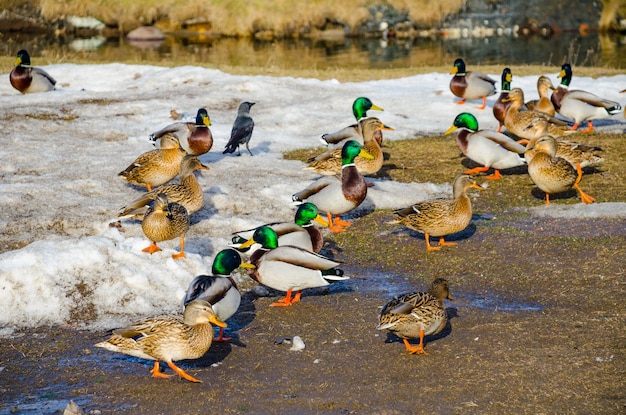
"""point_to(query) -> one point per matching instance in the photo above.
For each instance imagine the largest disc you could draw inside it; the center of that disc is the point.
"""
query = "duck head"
(463, 120)
(308, 212)
(459, 67)
(361, 105)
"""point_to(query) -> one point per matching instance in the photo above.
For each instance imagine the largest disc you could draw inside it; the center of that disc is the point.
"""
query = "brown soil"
(537, 326)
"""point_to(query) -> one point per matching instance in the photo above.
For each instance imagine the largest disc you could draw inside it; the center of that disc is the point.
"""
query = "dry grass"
(239, 17)
(437, 159)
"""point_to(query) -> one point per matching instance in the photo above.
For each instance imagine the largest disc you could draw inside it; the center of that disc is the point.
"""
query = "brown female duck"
(416, 314)
(441, 217)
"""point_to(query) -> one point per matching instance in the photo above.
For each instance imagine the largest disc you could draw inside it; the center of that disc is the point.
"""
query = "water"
(359, 53)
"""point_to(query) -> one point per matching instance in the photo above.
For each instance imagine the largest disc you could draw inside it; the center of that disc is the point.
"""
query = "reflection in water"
(359, 53)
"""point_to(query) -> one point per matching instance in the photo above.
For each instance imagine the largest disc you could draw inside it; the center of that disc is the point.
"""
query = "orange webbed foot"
(495, 176)
(419, 349)
(477, 170)
(288, 300)
(182, 373)
(156, 373)
(482, 107)
(221, 337)
(151, 249)
(442, 242)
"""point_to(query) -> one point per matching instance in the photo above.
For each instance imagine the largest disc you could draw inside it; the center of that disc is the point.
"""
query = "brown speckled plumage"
(416, 314)
(156, 167)
(329, 162)
(168, 338)
(554, 174)
(188, 192)
(440, 217)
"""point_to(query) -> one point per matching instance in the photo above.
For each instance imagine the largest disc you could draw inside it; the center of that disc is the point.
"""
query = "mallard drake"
(289, 268)
(470, 84)
(575, 153)
(501, 107)
(581, 105)
(164, 221)
(188, 192)
(441, 217)
(155, 167)
(329, 162)
(517, 121)
(360, 106)
(28, 79)
(220, 289)
(168, 338)
(302, 232)
(416, 314)
(242, 129)
(554, 174)
(543, 104)
(194, 137)
(336, 195)
(489, 148)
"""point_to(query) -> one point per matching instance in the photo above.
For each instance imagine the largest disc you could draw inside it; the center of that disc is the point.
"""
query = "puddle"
(390, 285)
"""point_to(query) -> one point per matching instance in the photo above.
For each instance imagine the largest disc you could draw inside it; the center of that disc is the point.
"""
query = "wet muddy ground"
(537, 326)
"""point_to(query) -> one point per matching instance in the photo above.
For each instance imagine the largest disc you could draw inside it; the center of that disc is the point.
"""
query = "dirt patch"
(536, 327)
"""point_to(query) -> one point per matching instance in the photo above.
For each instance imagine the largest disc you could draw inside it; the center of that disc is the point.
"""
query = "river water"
(359, 53)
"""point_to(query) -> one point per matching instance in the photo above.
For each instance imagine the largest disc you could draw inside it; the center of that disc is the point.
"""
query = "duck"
(470, 84)
(501, 107)
(302, 232)
(544, 103)
(338, 195)
(575, 153)
(194, 137)
(242, 129)
(329, 162)
(187, 192)
(415, 315)
(580, 105)
(164, 221)
(360, 106)
(30, 79)
(554, 174)
(219, 289)
(168, 338)
(491, 149)
(155, 167)
(441, 217)
(517, 120)
(289, 268)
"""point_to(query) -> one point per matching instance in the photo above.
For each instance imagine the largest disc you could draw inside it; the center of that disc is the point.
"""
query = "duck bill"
(477, 186)
(204, 167)
(449, 130)
(321, 221)
(247, 244)
(454, 71)
(376, 108)
(206, 121)
(365, 154)
(386, 127)
(561, 74)
(449, 297)
(217, 322)
(247, 265)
